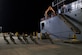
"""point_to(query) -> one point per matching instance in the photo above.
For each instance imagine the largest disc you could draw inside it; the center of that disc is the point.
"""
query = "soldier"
(24, 37)
(4, 36)
(33, 39)
(11, 37)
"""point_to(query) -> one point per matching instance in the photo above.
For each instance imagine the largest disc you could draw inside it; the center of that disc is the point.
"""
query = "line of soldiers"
(24, 37)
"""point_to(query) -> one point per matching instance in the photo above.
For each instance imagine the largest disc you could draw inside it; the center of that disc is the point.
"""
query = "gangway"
(71, 25)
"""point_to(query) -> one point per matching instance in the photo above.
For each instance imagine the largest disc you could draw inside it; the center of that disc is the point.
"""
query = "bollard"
(74, 36)
(19, 38)
(11, 37)
(33, 39)
(36, 35)
(26, 35)
(5, 38)
(33, 33)
(16, 34)
(24, 38)
(40, 36)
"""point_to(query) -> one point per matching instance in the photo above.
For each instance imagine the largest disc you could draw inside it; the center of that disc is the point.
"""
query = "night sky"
(22, 15)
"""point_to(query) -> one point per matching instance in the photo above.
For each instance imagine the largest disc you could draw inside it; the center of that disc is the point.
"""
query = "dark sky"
(22, 15)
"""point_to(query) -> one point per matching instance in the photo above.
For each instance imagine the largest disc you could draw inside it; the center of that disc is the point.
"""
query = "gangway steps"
(71, 25)
(73, 19)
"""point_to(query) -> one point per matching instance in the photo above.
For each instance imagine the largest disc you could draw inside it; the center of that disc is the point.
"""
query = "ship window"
(42, 25)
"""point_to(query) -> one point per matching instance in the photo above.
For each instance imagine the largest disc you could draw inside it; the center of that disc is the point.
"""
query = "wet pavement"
(58, 48)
